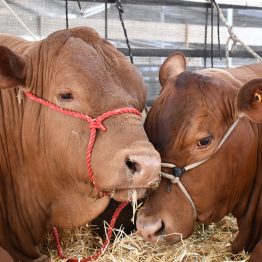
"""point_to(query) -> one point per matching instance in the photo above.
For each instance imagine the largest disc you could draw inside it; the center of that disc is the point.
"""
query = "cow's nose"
(144, 169)
(150, 230)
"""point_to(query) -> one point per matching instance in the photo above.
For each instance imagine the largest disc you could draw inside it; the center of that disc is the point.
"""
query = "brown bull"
(43, 175)
(213, 159)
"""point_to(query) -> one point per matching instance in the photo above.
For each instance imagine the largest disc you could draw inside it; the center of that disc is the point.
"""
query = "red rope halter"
(94, 124)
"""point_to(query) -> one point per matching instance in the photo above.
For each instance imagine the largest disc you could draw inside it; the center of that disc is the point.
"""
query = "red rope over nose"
(94, 124)
(104, 246)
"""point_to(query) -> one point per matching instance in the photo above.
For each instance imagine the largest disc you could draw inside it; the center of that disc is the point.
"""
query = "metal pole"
(205, 40)
(66, 11)
(230, 23)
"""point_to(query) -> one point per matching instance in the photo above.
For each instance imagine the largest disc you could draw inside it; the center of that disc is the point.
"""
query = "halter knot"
(97, 124)
(177, 172)
(94, 124)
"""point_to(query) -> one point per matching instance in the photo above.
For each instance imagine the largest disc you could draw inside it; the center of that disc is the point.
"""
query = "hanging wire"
(205, 43)
(212, 34)
(233, 37)
(106, 21)
(218, 29)
(80, 7)
(121, 11)
(66, 13)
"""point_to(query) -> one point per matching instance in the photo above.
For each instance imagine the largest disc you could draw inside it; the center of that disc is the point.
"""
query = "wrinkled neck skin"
(16, 187)
(232, 188)
(229, 182)
(24, 216)
(240, 196)
(249, 212)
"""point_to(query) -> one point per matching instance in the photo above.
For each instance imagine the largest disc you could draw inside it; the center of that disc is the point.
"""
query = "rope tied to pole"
(233, 37)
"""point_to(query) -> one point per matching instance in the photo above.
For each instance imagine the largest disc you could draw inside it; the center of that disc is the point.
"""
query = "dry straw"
(208, 243)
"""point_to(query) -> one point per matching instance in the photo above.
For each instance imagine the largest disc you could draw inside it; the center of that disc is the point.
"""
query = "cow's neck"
(249, 216)
(32, 196)
(22, 213)
(17, 204)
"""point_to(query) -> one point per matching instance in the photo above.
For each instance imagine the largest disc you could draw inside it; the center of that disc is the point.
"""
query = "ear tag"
(258, 97)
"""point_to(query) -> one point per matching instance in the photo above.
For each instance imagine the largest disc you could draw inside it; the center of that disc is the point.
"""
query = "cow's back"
(247, 72)
(4, 256)
(240, 75)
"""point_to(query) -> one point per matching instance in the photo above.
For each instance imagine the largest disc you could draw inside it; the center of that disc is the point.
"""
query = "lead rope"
(105, 244)
(94, 124)
(176, 180)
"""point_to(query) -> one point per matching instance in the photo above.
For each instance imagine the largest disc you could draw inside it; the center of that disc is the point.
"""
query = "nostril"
(150, 230)
(161, 230)
(133, 166)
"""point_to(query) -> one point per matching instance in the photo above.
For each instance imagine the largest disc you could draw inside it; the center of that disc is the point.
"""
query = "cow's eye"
(204, 142)
(66, 96)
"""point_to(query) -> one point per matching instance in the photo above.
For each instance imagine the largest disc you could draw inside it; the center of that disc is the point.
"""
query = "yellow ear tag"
(258, 97)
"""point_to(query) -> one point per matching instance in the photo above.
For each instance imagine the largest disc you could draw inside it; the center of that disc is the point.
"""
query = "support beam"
(240, 4)
(158, 52)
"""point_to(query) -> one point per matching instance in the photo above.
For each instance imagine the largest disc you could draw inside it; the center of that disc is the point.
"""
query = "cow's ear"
(13, 68)
(249, 100)
(173, 65)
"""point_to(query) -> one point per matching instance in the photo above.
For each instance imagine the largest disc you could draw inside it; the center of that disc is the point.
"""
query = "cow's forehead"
(195, 94)
(81, 60)
(183, 98)
(191, 105)
(76, 51)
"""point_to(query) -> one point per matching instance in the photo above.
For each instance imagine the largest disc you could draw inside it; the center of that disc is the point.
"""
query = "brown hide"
(43, 175)
(4, 256)
(186, 124)
(124, 221)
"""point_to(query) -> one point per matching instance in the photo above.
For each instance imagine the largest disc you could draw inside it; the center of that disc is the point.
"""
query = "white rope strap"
(19, 19)
(193, 165)
(176, 180)
(226, 135)
(233, 37)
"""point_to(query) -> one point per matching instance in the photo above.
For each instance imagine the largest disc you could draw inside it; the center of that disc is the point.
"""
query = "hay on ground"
(208, 243)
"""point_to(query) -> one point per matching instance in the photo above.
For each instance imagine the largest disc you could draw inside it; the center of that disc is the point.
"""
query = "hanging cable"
(218, 30)
(212, 34)
(106, 21)
(80, 7)
(121, 11)
(66, 13)
(205, 43)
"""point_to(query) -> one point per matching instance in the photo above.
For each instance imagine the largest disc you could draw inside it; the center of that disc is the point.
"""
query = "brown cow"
(44, 179)
(214, 158)
(5, 257)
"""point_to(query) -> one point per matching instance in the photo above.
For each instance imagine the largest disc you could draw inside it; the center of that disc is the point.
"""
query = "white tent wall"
(149, 26)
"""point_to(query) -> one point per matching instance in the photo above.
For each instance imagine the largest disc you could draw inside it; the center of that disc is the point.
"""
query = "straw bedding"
(208, 243)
